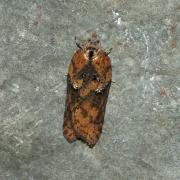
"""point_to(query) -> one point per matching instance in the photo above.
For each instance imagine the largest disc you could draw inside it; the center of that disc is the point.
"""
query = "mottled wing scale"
(88, 82)
(76, 64)
(67, 125)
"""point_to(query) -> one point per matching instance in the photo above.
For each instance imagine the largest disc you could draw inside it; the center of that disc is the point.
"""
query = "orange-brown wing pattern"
(88, 117)
(88, 82)
(73, 83)
(102, 65)
(78, 62)
(68, 130)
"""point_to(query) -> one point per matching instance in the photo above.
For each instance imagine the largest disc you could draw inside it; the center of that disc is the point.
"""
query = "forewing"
(88, 116)
(68, 130)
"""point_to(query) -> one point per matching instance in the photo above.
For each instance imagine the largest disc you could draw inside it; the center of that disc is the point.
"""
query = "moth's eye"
(89, 40)
(97, 41)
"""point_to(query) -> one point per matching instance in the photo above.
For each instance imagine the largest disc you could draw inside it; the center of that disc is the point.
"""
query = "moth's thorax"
(90, 54)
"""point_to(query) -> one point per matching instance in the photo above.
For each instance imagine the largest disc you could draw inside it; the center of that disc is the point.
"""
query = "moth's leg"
(104, 81)
(101, 86)
(76, 83)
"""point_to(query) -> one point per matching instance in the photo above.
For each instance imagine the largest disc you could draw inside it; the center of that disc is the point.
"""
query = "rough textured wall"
(141, 135)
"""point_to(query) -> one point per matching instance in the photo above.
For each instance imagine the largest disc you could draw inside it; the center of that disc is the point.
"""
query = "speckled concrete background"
(141, 135)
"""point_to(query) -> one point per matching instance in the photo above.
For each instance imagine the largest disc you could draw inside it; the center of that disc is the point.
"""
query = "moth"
(88, 82)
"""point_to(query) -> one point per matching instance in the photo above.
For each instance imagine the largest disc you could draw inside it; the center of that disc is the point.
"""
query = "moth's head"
(91, 46)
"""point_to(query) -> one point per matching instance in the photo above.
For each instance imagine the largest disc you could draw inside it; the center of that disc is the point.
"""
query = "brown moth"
(88, 82)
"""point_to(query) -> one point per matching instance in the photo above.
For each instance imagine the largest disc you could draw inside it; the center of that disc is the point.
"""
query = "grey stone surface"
(141, 135)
